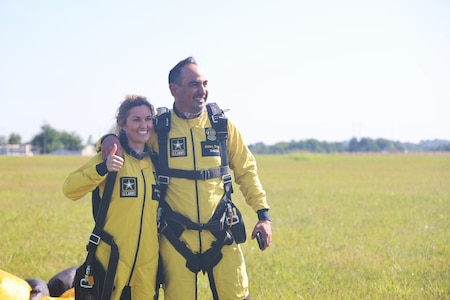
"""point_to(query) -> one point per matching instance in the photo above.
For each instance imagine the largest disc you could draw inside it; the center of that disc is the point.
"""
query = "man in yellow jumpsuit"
(192, 146)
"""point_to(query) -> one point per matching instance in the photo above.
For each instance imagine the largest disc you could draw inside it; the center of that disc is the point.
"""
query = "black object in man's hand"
(260, 241)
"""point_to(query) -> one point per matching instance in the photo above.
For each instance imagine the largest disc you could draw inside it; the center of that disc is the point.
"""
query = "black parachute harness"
(92, 275)
(226, 224)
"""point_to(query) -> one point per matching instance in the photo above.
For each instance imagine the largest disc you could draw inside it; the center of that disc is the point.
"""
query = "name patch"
(210, 149)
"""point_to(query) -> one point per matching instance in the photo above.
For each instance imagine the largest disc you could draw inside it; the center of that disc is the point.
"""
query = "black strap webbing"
(220, 124)
(162, 127)
(195, 174)
(98, 233)
(106, 200)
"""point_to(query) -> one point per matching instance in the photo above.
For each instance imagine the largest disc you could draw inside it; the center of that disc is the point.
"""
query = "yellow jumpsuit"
(192, 145)
(131, 220)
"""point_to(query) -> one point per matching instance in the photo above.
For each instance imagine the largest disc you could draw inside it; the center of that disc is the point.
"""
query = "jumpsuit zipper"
(196, 189)
(198, 208)
(140, 229)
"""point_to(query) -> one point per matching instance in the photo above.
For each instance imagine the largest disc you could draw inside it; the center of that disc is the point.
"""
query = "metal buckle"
(222, 221)
(85, 284)
(162, 226)
(94, 239)
(235, 220)
(163, 179)
(226, 178)
(205, 174)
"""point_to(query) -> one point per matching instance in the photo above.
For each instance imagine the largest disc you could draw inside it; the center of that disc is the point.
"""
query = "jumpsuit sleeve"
(243, 164)
(98, 146)
(85, 179)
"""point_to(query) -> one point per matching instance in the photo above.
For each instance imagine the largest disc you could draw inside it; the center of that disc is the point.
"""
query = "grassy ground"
(345, 226)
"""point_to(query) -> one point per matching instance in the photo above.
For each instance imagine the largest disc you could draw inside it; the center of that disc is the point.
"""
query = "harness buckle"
(234, 220)
(222, 221)
(94, 239)
(215, 118)
(160, 220)
(162, 179)
(84, 283)
(205, 174)
(162, 226)
(226, 178)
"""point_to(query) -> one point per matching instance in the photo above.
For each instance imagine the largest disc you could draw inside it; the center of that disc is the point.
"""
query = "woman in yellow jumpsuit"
(132, 214)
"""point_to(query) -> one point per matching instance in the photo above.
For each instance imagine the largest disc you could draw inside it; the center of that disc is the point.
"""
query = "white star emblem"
(128, 185)
(178, 145)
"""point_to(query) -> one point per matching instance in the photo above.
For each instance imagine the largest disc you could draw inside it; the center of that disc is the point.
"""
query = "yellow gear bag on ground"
(13, 287)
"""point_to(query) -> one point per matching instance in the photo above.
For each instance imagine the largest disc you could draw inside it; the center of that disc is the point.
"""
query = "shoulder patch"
(210, 134)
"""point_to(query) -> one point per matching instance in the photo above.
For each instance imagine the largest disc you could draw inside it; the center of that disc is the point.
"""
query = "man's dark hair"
(175, 73)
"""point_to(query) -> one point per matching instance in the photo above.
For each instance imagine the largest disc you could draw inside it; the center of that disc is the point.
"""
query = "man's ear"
(173, 88)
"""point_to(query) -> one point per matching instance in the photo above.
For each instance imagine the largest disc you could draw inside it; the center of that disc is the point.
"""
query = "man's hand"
(265, 229)
(108, 144)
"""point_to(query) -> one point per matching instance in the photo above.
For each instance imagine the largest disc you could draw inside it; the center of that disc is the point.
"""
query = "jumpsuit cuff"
(101, 168)
(263, 214)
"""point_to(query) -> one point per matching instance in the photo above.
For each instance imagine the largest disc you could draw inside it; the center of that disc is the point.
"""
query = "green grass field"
(366, 226)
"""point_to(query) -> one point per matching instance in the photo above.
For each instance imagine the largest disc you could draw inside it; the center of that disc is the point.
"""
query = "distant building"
(16, 150)
(88, 150)
(26, 150)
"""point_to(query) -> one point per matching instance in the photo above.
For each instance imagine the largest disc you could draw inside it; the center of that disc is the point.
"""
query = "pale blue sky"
(287, 70)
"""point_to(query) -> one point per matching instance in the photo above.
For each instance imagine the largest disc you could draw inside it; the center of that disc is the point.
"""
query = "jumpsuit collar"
(182, 115)
(132, 152)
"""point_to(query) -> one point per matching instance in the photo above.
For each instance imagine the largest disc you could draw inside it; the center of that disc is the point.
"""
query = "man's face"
(191, 95)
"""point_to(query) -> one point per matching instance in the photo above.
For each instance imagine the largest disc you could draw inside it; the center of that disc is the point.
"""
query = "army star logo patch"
(178, 147)
(128, 187)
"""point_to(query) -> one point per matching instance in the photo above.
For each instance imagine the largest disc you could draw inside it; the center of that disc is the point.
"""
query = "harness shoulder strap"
(219, 122)
(162, 127)
(98, 233)
(106, 200)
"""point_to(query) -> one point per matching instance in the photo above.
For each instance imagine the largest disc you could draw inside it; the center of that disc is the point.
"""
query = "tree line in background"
(50, 140)
(354, 145)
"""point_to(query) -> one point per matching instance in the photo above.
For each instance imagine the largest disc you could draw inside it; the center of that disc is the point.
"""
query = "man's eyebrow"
(198, 82)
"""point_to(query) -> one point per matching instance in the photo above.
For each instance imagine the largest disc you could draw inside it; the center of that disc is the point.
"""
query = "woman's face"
(138, 126)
